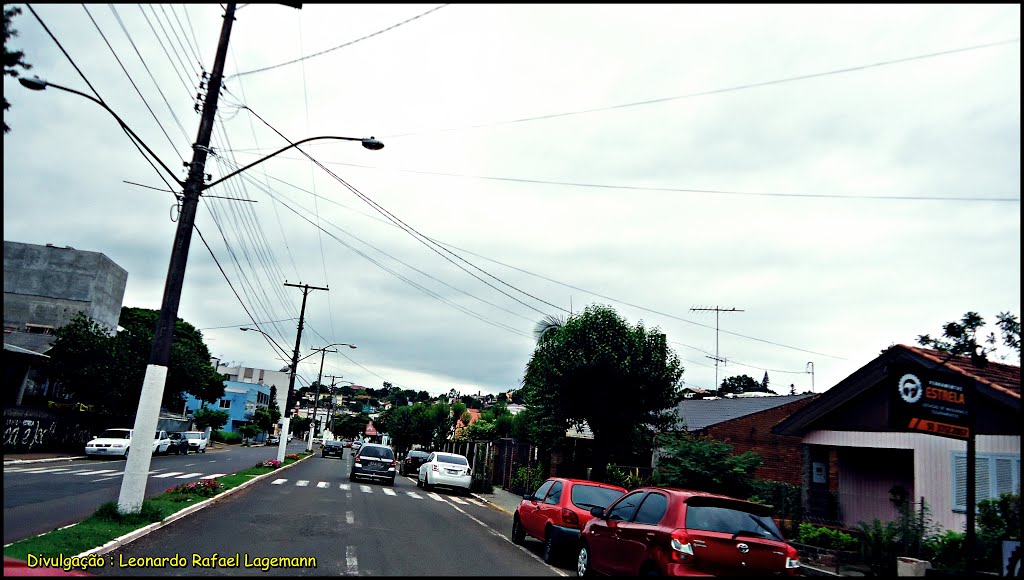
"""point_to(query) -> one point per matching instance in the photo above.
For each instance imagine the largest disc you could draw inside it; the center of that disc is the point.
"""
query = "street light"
(319, 377)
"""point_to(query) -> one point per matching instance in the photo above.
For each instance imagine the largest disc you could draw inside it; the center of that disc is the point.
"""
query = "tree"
(739, 384)
(705, 464)
(13, 59)
(764, 383)
(214, 419)
(263, 420)
(248, 431)
(299, 425)
(273, 408)
(351, 425)
(961, 337)
(621, 380)
(547, 327)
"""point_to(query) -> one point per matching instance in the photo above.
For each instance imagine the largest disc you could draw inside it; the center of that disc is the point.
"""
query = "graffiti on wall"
(34, 430)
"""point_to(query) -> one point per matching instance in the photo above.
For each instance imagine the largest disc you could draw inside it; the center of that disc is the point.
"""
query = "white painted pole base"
(309, 438)
(140, 452)
(285, 426)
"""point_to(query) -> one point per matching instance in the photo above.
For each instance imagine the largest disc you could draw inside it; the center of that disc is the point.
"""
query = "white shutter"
(1004, 475)
(983, 478)
(960, 482)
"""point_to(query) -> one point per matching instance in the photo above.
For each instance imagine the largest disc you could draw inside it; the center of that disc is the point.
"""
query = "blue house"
(240, 401)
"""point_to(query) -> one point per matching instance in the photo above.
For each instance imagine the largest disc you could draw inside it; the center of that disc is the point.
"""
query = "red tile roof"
(1001, 377)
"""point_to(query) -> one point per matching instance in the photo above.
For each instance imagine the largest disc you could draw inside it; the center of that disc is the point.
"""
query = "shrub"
(527, 479)
(946, 552)
(271, 463)
(293, 456)
(827, 538)
(226, 437)
(627, 478)
(998, 519)
(148, 514)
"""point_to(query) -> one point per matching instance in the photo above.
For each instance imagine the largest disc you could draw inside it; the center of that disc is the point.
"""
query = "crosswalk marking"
(388, 491)
(169, 474)
(278, 481)
(216, 475)
(350, 518)
(94, 472)
(351, 563)
(345, 486)
(458, 500)
(365, 489)
(435, 497)
(475, 502)
(413, 495)
(302, 482)
(53, 470)
(324, 484)
(188, 475)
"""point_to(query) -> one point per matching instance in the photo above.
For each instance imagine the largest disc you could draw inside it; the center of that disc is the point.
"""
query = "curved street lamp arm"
(282, 150)
(123, 125)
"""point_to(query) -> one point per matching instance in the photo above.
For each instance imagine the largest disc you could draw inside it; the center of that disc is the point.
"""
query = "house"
(243, 374)
(240, 400)
(695, 393)
(896, 429)
(746, 424)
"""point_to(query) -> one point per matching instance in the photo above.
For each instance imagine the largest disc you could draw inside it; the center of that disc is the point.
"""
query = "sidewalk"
(501, 499)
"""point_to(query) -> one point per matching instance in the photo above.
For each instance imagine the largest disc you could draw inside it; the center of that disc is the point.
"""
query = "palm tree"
(547, 327)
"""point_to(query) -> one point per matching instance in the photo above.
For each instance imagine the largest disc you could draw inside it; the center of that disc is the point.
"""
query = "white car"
(445, 469)
(117, 442)
(197, 441)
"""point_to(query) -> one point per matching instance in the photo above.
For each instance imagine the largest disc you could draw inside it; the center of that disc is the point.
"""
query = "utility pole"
(716, 358)
(810, 368)
(136, 471)
(286, 419)
(316, 401)
(334, 397)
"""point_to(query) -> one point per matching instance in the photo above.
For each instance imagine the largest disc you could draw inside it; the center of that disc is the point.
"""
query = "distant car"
(412, 462)
(273, 440)
(347, 444)
(557, 511)
(179, 445)
(117, 442)
(661, 531)
(290, 437)
(356, 445)
(333, 447)
(445, 469)
(197, 441)
(374, 461)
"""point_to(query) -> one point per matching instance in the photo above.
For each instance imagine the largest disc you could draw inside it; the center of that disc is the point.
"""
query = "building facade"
(240, 401)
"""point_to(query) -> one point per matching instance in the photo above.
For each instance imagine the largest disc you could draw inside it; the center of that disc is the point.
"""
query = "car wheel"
(583, 562)
(549, 547)
(391, 482)
(518, 535)
(126, 453)
(418, 482)
(203, 450)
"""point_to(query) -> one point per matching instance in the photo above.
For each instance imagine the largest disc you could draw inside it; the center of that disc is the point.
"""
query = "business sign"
(926, 401)
(370, 430)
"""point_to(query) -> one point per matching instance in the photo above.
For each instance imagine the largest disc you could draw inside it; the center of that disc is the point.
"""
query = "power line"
(247, 323)
(719, 91)
(351, 42)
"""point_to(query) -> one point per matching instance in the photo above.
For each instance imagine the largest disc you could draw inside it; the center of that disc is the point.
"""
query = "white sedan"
(445, 469)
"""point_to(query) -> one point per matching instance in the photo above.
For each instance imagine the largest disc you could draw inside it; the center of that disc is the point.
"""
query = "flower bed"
(271, 463)
(189, 491)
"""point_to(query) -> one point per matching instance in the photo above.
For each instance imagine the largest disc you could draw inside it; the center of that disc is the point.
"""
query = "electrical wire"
(188, 88)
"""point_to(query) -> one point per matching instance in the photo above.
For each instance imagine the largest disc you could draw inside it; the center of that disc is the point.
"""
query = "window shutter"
(960, 482)
(1004, 476)
(983, 478)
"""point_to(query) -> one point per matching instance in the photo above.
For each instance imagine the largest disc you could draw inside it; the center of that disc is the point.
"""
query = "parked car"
(117, 442)
(197, 441)
(412, 462)
(374, 461)
(347, 444)
(557, 511)
(273, 440)
(333, 447)
(356, 445)
(674, 532)
(445, 469)
(179, 445)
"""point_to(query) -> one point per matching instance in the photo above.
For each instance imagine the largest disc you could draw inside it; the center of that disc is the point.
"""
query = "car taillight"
(433, 467)
(569, 517)
(393, 463)
(792, 557)
(682, 549)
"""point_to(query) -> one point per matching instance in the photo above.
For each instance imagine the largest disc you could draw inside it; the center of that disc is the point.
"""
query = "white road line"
(388, 491)
(278, 481)
(351, 564)
(348, 495)
(475, 502)
(188, 475)
(345, 486)
(324, 484)
(302, 482)
(413, 495)
(53, 470)
(365, 489)
(216, 475)
(435, 497)
(350, 518)
(77, 471)
(32, 469)
(458, 500)
(102, 479)
(95, 472)
(169, 474)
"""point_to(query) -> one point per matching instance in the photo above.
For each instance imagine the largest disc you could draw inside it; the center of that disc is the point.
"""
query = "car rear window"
(193, 436)
(333, 443)
(453, 459)
(380, 452)
(729, 520)
(591, 496)
(418, 454)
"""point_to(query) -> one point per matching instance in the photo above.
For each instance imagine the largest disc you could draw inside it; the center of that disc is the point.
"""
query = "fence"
(495, 463)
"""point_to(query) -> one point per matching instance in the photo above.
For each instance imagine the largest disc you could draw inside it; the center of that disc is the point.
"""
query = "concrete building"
(243, 374)
(240, 401)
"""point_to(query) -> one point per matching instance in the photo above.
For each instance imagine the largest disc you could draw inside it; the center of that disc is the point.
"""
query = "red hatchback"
(663, 531)
(558, 510)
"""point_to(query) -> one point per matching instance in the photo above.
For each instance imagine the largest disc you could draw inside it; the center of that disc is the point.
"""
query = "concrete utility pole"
(136, 471)
(286, 419)
(716, 358)
(316, 401)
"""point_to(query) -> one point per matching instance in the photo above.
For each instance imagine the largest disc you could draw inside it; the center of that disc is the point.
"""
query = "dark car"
(333, 447)
(179, 445)
(558, 510)
(663, 531)
(412, 462)
(374, 461)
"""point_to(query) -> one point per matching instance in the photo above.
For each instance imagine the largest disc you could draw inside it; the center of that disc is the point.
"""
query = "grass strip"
(107, 523)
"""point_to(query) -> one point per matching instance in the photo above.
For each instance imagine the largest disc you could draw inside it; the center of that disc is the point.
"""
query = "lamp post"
(133, 485)
(319, 377)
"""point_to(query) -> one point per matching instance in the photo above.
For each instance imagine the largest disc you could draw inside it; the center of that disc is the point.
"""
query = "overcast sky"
(845, 177)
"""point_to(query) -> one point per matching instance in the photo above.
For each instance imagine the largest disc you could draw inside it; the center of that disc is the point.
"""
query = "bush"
(527, 479)
(827, 538)
(627, 478)
(998, 519)
(271, 463)
(226, 437)
(946, 552)
(148, 514)
(202, 488)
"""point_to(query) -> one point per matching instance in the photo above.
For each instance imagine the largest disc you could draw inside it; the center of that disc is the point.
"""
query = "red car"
(558, 510)
(664, 531)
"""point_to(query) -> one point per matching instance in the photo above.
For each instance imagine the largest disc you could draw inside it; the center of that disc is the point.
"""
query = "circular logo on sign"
(910, 388)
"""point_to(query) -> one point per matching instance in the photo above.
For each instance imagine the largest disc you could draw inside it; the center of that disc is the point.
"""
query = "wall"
(42, 430)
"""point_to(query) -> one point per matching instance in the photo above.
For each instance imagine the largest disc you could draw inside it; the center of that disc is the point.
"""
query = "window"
(225, 403)
(995, 474)
(652, 510)
(555, 494)
(623, 510)
(543, 490)
(592, 496)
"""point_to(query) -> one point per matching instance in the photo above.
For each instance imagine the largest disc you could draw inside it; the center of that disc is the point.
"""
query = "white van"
(197, 441)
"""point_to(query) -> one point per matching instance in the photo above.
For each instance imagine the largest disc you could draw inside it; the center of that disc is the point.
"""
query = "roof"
(28, 342)
(474, 416)
(697, 414)
(999, 376)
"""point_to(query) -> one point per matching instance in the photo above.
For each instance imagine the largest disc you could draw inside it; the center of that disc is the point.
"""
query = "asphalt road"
(39, 497)
(312, 510)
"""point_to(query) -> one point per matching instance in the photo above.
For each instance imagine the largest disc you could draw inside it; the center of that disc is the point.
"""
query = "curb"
(491, 503)
(136, 534)
(48, 459)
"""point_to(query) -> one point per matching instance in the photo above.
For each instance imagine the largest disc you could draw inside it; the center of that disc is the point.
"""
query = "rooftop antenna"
(716, 358)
